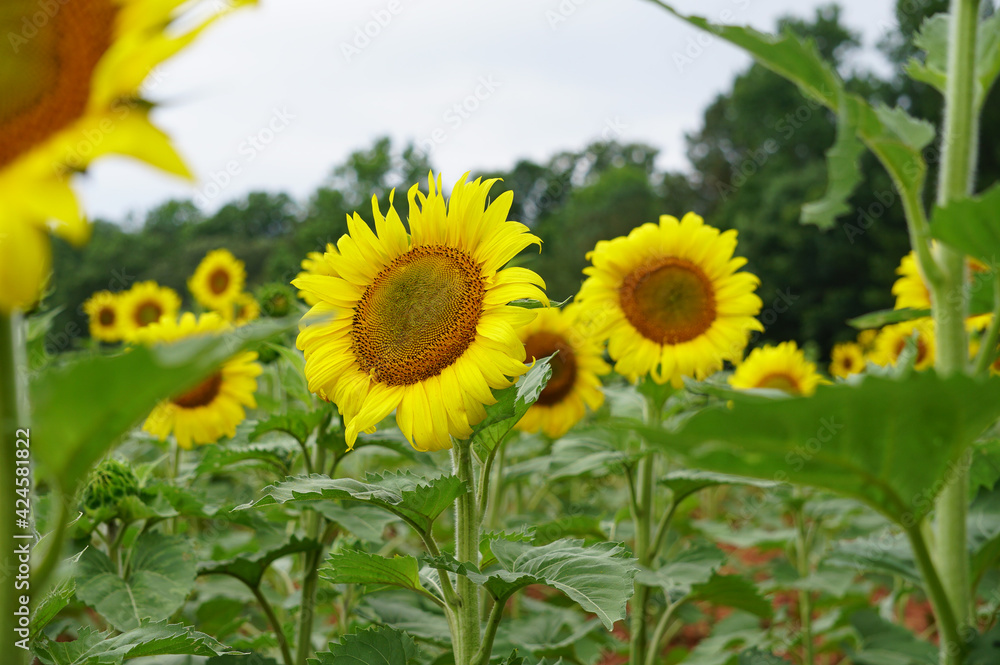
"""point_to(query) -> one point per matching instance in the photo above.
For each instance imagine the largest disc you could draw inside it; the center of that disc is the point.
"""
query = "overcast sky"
(279, 94)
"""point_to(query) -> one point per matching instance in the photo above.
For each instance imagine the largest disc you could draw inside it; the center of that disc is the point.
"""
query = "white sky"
(607, 68)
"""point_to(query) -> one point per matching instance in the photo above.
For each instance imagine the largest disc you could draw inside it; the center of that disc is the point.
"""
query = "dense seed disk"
(669, 302)
(148, 312)
(106, 316)
(543, 344)
(218, 281)
(781, 381)
(202, 394)
(46, 83)
(418, 316)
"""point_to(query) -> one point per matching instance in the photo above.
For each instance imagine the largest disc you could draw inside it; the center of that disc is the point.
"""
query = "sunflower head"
(275, 300)
(866, 339)
(70, 81)
(212, 408)
(316, 263)
(147, 303)
(419, 322)
(892, 340)
(847, 358)
(245, 309)
(104, 312)
(783, 367)
(109, 482)
(218, 280)
(671, 299)
(574, 384)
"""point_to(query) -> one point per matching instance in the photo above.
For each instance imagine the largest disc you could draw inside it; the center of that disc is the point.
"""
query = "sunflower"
(213, 408)
(218, 280)
(866, 339)
(783, 367)
(420, 322)
(104, 311)
(911, 289)
(671, 300)
(275, 299)
(316, 263)
(70, 79)
(574, 384)
(147, 303)
(245, 309)
(848, 358)
(892, 340)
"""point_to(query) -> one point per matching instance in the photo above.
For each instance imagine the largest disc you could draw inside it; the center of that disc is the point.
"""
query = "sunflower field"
(416, 450)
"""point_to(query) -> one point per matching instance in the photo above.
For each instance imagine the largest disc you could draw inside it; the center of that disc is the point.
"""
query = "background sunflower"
(104, 313)
(218, 280)
(783, 367)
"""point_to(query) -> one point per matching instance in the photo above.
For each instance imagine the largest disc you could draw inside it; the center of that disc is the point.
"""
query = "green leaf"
(250, 568)
(410, 613)
(984, 532)
(844, 175)
(375, 646)
(511, 405)
(733, 591)
(685, 482)
(417, 500)
(855, 440)
(51, 605)
(83, 408)
(145, 640)
(884, 643)
(884, 317)
(356, 567)
(695, 565)
(914, 132)
(246, 659)
(985, 648)
(737, 631)
(970, 225)
(221, 458)
(876, 555)
(298, 424)
(365, 522)
(161, 574)
(755, 656)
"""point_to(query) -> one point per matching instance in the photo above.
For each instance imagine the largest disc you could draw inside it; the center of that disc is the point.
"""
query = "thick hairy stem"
(951, 643)
(467, 550)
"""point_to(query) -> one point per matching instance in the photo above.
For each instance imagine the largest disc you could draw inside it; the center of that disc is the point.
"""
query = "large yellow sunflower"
(848, 358)
(420, 322)
(218, 280)
(574, 384)
(892, 339)
(316, 263)
(671, 300)
(783, 367)
(911, 289)
(147, 303)
(212, 409)
(104, 312)
(70, 74)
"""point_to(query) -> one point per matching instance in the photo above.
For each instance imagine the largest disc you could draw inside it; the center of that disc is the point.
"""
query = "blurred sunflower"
(848, 358)
(212, 409)
(316, 263)
(783, 367)
(574, 384)
(275, 299)
(866, 339)
(420, 323)
(892, 340)
(71, 95)
(670, 299)
(104, 312)
(911, 289)
(147, 303)
(218, 280)
(245, 309)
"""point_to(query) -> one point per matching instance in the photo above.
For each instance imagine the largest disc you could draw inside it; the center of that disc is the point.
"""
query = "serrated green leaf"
(145, 640)
(246, 659)
(685, 482)
(843, 175)
(733, 591)
(695, 565)
(876, 555)
(220, 458)
(362, 521)
(884, 643)
(755, 656)
(356, 567)
(984, 532)
(410, 613)
(298, 424)
(374, 646)
(161, 574)
(885, 317)
(738, 631)
(250, 568)
(51, 605)
(970, 225)
(854, 440)
(985, 648)
(914, 132)
(511, 405)
(82, 409)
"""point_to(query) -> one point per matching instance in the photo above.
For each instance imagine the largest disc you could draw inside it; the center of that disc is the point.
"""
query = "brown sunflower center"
(202, 394)
(418, 315)
(669, 302)
(543, 344)
(148, 311)
(218, 281)
(46, 71)
(921, 349)
(106, 317)
(780, 381)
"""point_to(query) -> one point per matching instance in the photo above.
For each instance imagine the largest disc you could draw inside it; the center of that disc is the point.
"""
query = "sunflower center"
(543, 344)
(418, 315)
(921, 349)
(669, 302)
(147, 312)
(780, 381)
(202, 394)
(46, 72)
(106, 317)
(218, 281)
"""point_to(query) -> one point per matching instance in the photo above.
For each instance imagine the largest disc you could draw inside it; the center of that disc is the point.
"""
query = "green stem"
(315, 524)
(987, 351)
(466, 550)
(272, 618)
(653, 654)
(482, 656)
(10, 420)
(949, 308)
(951, 644)
(802, 563)
(641, 505)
